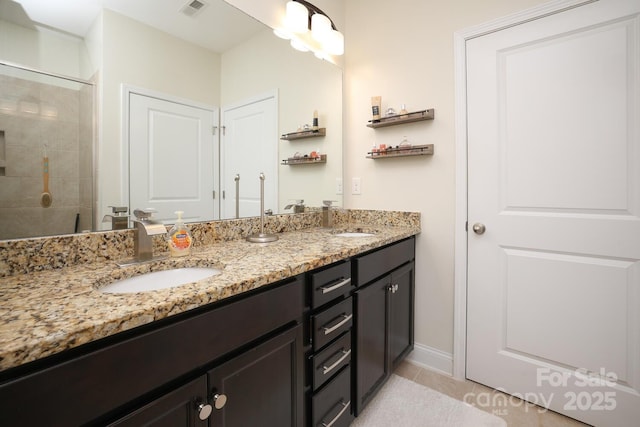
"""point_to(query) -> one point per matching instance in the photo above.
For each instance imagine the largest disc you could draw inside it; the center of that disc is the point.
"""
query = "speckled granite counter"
(48, 311)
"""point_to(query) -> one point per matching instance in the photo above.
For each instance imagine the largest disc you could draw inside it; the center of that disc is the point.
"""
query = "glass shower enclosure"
(47, 144)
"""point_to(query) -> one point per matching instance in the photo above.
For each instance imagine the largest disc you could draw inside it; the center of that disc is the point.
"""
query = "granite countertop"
(46, 312)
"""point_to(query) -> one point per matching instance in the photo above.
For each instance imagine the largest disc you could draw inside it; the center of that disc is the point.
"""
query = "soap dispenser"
(179, 238)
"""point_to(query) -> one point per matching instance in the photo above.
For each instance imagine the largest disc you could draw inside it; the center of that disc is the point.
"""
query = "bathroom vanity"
(309, 348)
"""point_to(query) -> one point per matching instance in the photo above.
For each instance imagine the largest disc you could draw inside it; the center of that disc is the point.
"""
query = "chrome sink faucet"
(143, 232)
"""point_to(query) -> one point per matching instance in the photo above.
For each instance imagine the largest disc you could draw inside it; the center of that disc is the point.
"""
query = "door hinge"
(224, 130)
(214, 194)
(466, 226)
(223, 195)
(214, 129)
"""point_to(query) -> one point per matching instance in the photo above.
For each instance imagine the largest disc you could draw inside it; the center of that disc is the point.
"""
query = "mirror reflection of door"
(171, 158)
(249, 146)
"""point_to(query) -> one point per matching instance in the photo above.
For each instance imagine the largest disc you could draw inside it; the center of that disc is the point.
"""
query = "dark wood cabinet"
(139, 373)
(180, 407)
(384, 317)
(262, 387)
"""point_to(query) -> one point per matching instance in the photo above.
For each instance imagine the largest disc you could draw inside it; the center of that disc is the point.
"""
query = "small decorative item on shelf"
(400, 151)
(390, 112)
(312, 158)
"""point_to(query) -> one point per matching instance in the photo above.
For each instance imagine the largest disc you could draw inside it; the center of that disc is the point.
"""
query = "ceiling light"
(323, 38)
(320, 26)
(297, 19)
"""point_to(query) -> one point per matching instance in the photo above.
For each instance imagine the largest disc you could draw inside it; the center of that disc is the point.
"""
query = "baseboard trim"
(431, 358)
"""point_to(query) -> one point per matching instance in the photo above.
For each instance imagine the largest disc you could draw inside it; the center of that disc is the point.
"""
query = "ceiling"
(216, 26)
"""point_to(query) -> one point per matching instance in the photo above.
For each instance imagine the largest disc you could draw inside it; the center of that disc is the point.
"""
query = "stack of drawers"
(329, 354)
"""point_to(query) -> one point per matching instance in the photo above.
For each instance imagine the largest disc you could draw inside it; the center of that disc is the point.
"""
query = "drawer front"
(331, 360)
(331, 323)
(331, 283)
(332, 405)
(382, 261)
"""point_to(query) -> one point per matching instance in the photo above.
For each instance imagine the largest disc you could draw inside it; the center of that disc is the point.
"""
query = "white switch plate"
(339, 189)
(356, 187)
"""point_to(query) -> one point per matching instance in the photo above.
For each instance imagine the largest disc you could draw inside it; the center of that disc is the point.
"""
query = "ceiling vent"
(193, 8)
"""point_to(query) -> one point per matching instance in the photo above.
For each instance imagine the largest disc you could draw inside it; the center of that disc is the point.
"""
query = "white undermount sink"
(159, 280)
(354, 234)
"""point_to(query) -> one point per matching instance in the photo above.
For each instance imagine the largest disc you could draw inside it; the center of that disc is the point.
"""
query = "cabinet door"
(263, 386)
(401, 314)
(371, 320)
(178, 408)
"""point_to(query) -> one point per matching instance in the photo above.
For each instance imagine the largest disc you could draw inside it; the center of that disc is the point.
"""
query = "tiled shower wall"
(37, 117)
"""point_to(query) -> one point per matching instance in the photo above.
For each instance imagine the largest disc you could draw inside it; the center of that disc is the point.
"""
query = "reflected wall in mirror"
(119, 50)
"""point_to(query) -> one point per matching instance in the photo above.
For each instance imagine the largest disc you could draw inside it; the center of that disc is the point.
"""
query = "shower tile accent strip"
(49, 287)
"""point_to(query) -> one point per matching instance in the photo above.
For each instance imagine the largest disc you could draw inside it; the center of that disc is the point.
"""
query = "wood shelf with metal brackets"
(414, 150)
(304, 134)
(399, 119)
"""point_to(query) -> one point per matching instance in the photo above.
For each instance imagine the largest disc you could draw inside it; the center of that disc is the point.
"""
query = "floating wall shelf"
(304, 134)
(416, 116)
(414, 150)
(292, 161)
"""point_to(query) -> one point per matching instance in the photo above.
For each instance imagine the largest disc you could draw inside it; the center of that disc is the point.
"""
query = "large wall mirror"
(125, 65)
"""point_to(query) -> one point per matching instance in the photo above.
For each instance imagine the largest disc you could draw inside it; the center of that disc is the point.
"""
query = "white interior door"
(171, 158)
(249, 146)
(553, 303)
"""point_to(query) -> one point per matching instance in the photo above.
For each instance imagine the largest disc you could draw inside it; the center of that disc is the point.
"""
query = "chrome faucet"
(327, 217)
(145, 229)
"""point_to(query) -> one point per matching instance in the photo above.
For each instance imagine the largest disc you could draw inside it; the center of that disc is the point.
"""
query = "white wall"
(403, 51)
(43, 49)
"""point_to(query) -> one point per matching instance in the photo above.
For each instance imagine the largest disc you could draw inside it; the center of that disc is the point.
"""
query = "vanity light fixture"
(310, 29)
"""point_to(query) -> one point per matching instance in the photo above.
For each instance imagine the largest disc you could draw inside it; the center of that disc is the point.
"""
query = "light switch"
(356, 187)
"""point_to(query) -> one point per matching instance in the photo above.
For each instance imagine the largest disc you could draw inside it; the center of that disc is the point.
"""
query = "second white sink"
(355, 234)
(159, 280)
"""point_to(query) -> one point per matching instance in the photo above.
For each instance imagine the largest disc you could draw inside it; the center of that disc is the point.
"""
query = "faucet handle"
(118, 209)
(143, 214)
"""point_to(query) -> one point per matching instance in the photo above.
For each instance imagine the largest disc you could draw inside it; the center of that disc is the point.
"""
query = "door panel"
(554, 175)
(171, 158)
(250, 146)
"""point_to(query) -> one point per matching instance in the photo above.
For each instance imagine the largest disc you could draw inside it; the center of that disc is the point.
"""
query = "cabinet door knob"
(204, 410)
(219, 400)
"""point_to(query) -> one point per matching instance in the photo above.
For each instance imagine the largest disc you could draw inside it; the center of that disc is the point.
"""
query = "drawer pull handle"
(345, 319)
(337, 417)
(327, 369)
(341, 283)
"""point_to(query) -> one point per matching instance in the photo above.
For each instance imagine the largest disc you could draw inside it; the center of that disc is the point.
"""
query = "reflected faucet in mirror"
(118, 218)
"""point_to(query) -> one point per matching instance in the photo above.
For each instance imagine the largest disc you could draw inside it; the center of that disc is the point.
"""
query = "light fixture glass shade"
(320, 27)
(298, 45)
(282, 33)
(334, 43)
(297, 19)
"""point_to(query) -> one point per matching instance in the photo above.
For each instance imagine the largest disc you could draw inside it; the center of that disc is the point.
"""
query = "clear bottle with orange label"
(180, 239)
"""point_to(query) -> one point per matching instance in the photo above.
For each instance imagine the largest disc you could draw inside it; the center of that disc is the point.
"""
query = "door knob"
(479, 228)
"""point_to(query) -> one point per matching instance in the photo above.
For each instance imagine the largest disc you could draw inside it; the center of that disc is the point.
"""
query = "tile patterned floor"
(515, 412)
